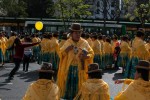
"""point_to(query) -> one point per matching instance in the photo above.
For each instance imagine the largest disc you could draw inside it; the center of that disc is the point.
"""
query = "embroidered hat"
(92, 68)
(46, 67)
(76, 27)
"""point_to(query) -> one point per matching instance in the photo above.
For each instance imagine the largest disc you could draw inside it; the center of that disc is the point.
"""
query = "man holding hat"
(94, 88)
(75, 56)
(43, 88)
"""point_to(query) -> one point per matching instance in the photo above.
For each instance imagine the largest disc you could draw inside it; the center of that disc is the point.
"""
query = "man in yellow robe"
(94, 88)
(75, 55)
(138, 89)
(44, 88)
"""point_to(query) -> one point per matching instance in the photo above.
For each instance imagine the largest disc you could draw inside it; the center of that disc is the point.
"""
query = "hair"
(140, 34)
(97, 75)
(115, 37)
(125, 38)
(100, 37)
(144, 73)
(56, 34)
(108, 40)
(83, 35)
(64, 37)
(94, 36)
(45, 75)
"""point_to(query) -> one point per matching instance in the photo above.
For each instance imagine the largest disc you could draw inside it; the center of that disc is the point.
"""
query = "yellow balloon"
(39, 25)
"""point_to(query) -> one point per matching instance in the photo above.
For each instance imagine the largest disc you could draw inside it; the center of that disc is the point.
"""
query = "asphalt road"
(16, 88)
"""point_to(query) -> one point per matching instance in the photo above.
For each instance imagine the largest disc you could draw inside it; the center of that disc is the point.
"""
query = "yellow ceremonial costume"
(44, 50)
(137, 90)
(42, 89)
(62, 43)
(147, 45)
(93, 89)
(125, 56)
(54, 52)
(139, 52)
(36, 48)
(9, 44)
(71, 73)
(2, 49)
(89, 40)
(97, 52)
(108, 57)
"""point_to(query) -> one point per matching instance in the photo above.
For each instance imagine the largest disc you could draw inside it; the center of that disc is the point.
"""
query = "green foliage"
(13, 8)
(72, 9)
(137, 9)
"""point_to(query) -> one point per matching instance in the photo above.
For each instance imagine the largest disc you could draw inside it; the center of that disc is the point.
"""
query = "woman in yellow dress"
(75, 55)
(44, 88)
(139, 88)
(95, 88)
(125, 55)
(108, 56)
(139, 52)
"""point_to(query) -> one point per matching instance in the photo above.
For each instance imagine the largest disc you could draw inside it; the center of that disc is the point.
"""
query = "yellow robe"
(97, 47)
(3, 45)
(42, 89)
(137, 90)
(107, 48)
(67, 59)
(62, 43)
(148, 47)
(89, 40)
(44, 45)
(102, 46)
(125, 49)
(139, 49)
(93, 89)
(53, 46)
(10, 41)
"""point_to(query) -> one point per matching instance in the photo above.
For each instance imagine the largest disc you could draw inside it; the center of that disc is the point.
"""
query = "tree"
(138, 10)
(71, 9)
(13, 8)
(40, 8)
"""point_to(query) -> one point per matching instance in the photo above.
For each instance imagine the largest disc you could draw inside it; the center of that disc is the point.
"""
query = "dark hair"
(55, 34)
(125, 38)
(83, 35)
(108, 40)
(87, 35)
(45, 75)
(100, 37)
(140, 34)
(144, 74)
(115, 37)
(97, 75)
(94, 36)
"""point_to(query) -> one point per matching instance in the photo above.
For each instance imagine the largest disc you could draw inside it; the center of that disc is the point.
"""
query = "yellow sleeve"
(27, 96)
(119, 96)
(128, 81)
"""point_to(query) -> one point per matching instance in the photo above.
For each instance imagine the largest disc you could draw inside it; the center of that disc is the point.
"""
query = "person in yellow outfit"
(97, 50)
(139, 51)
(44, 88)
(94, 88)
(63, 40)
(89, 40)
(139, 88)
(75, 55)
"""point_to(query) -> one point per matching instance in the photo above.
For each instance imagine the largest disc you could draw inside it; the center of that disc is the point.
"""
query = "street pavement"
(16, 88)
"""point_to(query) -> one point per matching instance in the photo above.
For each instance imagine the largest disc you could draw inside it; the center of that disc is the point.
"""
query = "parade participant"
(54, 52)
(116, 54)
(147, 45)
(125, 55)
(97, 50)
(2, 49)
(9, 44)
(44, 88)
(35, 48)
(44, 53)
(19, 52)
(108, 57)
(139, 88)
(114, 42)
(75, 56)
(27, 54)
(139, 51)
(94, 88)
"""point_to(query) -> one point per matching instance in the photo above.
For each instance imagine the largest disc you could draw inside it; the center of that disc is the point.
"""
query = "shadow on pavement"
(29, 76)
(118, 76)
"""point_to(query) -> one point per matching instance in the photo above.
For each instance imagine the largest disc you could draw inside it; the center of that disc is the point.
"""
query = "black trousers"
(26, 61)
(17, 62)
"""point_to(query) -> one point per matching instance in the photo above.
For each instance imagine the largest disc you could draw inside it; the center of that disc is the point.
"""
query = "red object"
(19, 49)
